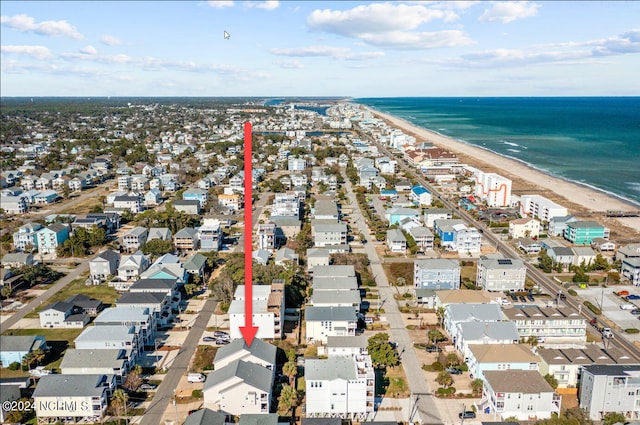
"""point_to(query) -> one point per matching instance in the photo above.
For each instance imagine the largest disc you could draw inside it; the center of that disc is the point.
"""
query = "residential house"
(584, 232)
(17, 260)
(485, 357)
(210, 235)
(143, 318)
(25, 237)
(286, 255)
(190, 206)
(73, 398)
(195, 265)
(46, 197)
(161, 233)
(436, 273)
(496, 273)
(50, 237)
(329, 234)
(541, 208)
(322, 322)
(230, 202)
(603, 245)
(131, 266)
(153, 197)
(610, 389)
(289, 226)
(128, 203)
(342, 283)
(470, 333)
(63, 315)
(631, 250)
(549, 325)
(268, 311)
(558, 224)
(103, 265)
(336, 298)
(110, 336)
(566, 364)
(631, 269)
(157, 302)
(339, 386)
(454, 314)
(523, 394)
(420, 196)
(207, 417)
(260, 353)
(317, 257)
(196, 194)
(186, 239)
(13, 348)
(266, 235)
(561, 254)
(529, 246)
(295, 164)
(238, 388)
(396, 241)
(423, 237)
(524, 228)
(396, 215)
(326, 209)
(425, 298)
(134, 239)
(113, 361)
(445, 230)
(334, 271)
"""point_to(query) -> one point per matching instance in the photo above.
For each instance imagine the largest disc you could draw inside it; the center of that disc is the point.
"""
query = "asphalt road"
(532, 272)
(425, 406)
(44, 297)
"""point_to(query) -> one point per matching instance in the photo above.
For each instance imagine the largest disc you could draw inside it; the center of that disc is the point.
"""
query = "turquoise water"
(591, 140)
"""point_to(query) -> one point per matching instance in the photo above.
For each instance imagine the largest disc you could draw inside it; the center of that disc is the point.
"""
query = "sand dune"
(579, 197)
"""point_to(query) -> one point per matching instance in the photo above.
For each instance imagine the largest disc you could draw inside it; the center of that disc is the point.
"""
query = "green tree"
(452, 360)
(190, 288)
(545, 262)
(5, 291)
(512, 419)
(287, 400)
(551, 380)
(600, 263)
(435, 335)
(580, 276)
(613, 418)
(532, 341)
(444, 379)
(38, 356)
(290, 369)
(440, 314)
(382, 353)
(477, 386)
(157, 247)
(119, 401)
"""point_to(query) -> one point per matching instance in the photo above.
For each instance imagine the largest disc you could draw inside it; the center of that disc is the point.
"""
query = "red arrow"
(248, 330)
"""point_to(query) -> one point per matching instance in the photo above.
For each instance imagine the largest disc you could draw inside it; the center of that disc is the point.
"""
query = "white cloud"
(509, 11)
(419, 40)
(340, 53)
(219, 4)
(89, 50)
(266, 5)
(38, 52)
(25, 23)
(111, 40)
(290, 64)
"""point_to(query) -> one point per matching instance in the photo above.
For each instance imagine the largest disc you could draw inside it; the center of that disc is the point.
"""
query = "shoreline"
(577, 196)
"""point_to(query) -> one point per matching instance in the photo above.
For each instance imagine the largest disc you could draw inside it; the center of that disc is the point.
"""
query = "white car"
(39, 371)
(627, 306)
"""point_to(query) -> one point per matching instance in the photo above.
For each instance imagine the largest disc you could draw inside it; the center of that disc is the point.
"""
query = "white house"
(463, 312)
(104, 264)
(268, 311)
(524, 228)
(523, 394)
(322, 322)
(500, 274)
(540, 207)
(613, 388)
(551, 325)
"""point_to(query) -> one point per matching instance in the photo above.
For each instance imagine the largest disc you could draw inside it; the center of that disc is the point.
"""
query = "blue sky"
(312, 48)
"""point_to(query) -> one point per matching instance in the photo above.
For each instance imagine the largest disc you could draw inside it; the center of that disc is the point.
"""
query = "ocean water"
(590, 140)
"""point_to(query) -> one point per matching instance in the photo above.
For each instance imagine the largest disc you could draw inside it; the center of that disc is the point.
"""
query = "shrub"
(411, 327)
(196, 393)
(632, 331)
(14, 366)
(444, 392)
(572, 292)
(463, 367)
(593, 308)
(437, 366)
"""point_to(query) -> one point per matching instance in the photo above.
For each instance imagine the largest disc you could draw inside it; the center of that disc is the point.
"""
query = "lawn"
(203, 359)
(469, 272)
(392, 382)
(396, 270)
(58, 339)
(104, 293)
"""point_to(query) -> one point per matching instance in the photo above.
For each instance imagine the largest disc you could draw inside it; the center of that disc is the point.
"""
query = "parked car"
(39, 371)
(208, 339)
(467, 415)
(222, 341)
(627, 306)
(523, 299)
(622, 293)
(220, 334)
(633, 297)
(530, 298)
(635, 311)
(148, 387)
(195, 377)
(514, 297)
(454, 370)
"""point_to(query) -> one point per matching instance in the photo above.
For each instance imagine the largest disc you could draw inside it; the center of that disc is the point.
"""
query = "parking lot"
(610, 306)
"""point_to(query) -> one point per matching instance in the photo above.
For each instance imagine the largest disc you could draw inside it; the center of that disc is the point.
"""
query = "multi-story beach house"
(524, 228)
(210, 235)
(396, 241)
(328, 234)
(134, 239)
(584, 232)
(26, 237)
(484, 357)
(268, 311)
(436, 273)
(549, 325)
(610, 388)
(49, 238)
(322, 322)
(492, 188)
(496, 273)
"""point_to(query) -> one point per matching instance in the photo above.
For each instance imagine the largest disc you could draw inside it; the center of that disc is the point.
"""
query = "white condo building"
(540, 207)
(492, 188)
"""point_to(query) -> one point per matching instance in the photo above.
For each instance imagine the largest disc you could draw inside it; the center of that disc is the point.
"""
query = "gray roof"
(335, 367)
(205, 417)
(195, 262)
(334, 271)
(541, 313)
(591, 354)
(187, 202)
(438, 211)
(359, 341)
(326, 227)
(335, 296)
(110, 357)
(585, 224)
(108, 255)
(252, 374)
(139, 230)
(331, 283)
(330, 313)
(258, 419)
(474, 331)
(106, 333)
(259, 348)
(420, 231)
(425, 292)
(159, 233)
(141, 298)
(59, 306)
(285, 221)
(318, 252)
(395, 235)
(71, 385)
(16, 257)
(123, 314)
(24, 343)
(611, 370)
(474, 312)
(437, 263)
(187, 232)
(83, 301)
(517, 381)
(159, 284)
(502, 263)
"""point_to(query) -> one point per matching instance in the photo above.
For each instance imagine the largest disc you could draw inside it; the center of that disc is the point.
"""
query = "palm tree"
(38, 356)
(444, 378)
(532, 341)
(287, 400)
(290, 369)
(119, 402)
(5, 291)
(440, 314)
(452, 359)
(27, 360)
(476, 386)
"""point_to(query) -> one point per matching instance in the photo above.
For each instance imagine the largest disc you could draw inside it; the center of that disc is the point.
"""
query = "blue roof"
(419, 190)
(388, 192)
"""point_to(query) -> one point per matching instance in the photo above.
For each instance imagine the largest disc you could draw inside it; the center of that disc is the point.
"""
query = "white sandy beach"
(589, 199)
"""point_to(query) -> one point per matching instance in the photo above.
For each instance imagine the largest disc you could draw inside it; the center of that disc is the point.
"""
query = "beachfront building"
(524, 228)
(484, 357)
(610, 389)
(540, 207)
(584, 232)
(436, 273)
(492, 188)
(549, 325)
(631, 269)
(496, 273)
